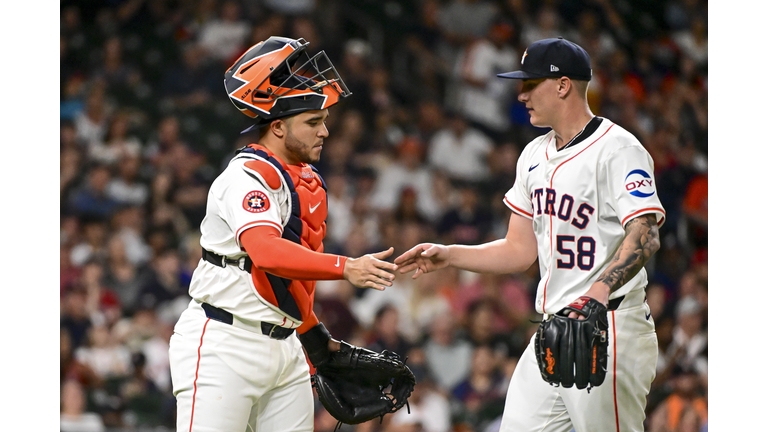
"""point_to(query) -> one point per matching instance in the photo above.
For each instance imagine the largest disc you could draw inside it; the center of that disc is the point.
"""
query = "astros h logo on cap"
(553, 58)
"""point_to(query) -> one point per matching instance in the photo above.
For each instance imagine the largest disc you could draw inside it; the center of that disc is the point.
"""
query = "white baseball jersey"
(232, 376)
(239, 198)
(579, 199)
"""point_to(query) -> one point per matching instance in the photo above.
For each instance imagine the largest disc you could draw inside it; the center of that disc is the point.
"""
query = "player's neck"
(571, 123)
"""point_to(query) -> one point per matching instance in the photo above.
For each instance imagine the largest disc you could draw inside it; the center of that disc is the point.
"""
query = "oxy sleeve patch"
(639, 183)
(256, 202)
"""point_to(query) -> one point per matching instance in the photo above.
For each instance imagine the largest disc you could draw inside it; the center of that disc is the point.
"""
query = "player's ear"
(564, 86)
(278, 128)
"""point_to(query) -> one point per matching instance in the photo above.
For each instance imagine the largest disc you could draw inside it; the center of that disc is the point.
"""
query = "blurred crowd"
(423, 150)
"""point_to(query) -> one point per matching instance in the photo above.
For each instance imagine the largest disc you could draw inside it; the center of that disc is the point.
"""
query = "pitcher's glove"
(571, 350)
(356, 384)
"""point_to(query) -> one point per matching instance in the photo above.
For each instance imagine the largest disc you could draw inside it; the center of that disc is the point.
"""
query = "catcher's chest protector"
(306, 225)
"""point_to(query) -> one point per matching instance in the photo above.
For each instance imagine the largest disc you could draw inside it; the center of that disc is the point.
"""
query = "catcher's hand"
(572, 350)
(357, 385)
(370, 271)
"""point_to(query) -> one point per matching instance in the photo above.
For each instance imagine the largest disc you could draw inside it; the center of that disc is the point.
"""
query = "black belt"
(244, 263)
(268, 329)
(614, 304)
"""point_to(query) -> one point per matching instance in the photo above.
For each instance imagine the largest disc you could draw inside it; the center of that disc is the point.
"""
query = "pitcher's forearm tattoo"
(641, 241)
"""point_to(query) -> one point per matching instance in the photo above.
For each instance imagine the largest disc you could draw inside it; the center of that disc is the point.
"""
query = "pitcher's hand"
(424, 258)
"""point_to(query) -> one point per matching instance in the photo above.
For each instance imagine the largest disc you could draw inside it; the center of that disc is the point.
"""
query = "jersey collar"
(585, 133)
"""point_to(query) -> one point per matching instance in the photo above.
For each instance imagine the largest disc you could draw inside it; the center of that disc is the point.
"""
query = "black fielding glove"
(357, 384)
(572, 351)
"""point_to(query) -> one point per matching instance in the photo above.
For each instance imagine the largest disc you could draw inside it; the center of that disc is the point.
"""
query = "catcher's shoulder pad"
(269, 175)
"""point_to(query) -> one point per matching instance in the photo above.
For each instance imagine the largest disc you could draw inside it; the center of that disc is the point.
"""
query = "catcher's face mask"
(276, 78)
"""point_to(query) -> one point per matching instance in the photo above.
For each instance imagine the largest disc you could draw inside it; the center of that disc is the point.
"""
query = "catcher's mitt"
(570, 350)
(356, 385)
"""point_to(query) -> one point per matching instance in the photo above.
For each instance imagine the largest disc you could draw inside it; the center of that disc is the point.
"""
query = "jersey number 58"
(584, 256)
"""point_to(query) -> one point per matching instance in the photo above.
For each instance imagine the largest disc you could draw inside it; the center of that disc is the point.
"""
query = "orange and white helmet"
(277, 78)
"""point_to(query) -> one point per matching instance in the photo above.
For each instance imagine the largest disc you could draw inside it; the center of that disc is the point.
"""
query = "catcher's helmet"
(276, 78)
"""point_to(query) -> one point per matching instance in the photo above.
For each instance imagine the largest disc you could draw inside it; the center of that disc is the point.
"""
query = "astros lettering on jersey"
(579, 208)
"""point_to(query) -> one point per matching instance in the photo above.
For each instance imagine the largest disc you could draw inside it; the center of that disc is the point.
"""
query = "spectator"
(75, 318)
(126, 189)
(685, 409)
(128, 223)
(224, 37)
(143, 400)
(332, 308)
(385, 332)
(113, 71)
(546, 25)
(191, 84)
(164, 282)
(104, 355)
(91, 198)
(688, 335)
(483, 98)
(467, 222)
(74, 418)
(118, 143)
(91, 123)
(481, 330)
(463, 20)
(121, 275)
(460, 150)
(430, 409)
(481, 393)
(406, 171)
(72, 369)
(448, 358)
(693, 41)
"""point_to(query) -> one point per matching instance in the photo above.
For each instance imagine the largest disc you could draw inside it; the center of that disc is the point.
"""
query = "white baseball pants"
(227, 379)
(618, 404)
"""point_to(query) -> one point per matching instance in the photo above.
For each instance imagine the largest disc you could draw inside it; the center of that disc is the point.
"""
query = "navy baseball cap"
(553, 58)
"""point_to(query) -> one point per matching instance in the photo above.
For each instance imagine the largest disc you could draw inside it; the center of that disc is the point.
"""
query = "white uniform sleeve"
(518, 199)
(247, 203)
(629, 174)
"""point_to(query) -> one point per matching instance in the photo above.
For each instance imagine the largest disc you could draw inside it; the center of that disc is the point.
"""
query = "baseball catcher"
(356, 384)
(573, 350)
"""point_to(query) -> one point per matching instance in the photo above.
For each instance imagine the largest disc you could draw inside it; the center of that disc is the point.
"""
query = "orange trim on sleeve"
(646, 210)
(266, 223)
(517, 209)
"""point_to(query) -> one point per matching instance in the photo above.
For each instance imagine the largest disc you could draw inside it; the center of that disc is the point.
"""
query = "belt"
(267, 329)
(614, 304)
(243, 263)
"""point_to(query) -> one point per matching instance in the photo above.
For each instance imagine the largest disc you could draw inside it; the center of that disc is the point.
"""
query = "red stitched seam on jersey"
(645, 210)
(530, 215)
(194, 393)
(615, 401)
(551, 250)
(255, 224)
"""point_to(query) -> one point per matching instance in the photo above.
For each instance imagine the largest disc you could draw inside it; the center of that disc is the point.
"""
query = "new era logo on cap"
(540, 58)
